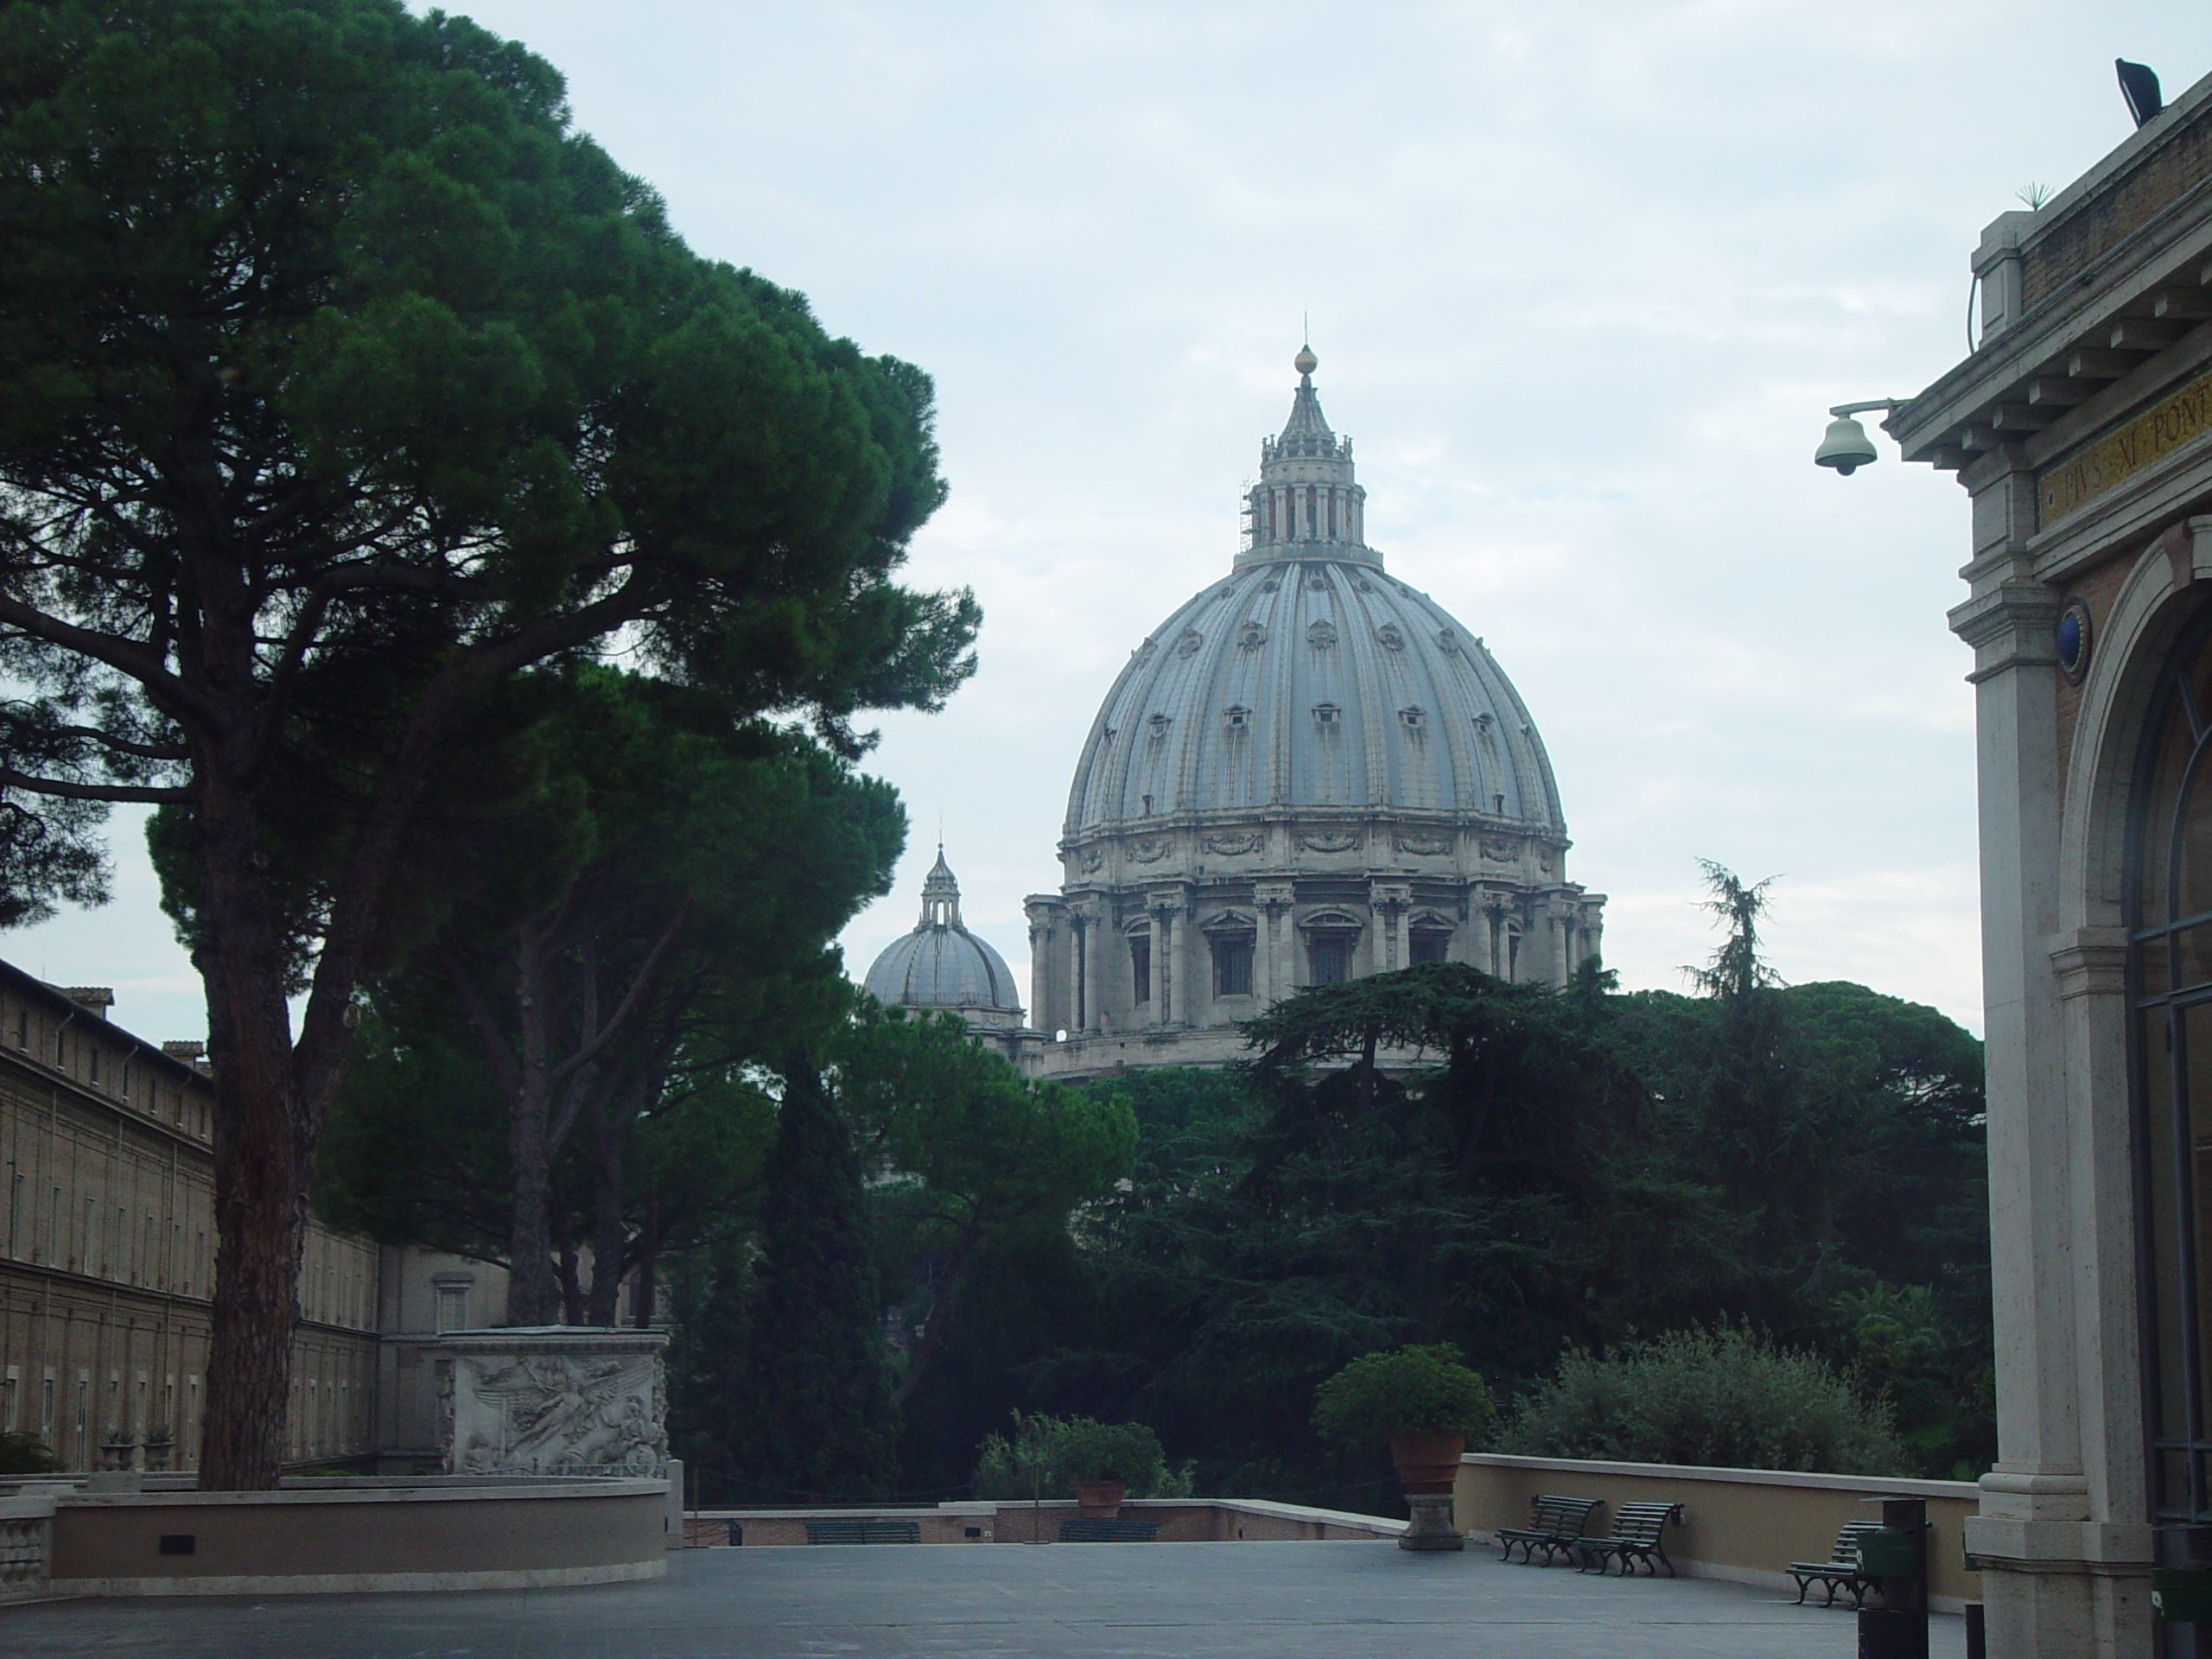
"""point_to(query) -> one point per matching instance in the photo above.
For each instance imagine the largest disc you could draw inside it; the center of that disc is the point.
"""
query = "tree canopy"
(652, 921)
(341, 380)
(1529, 1173)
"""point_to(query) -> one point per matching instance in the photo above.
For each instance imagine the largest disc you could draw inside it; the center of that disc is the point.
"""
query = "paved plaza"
(1087, 1601)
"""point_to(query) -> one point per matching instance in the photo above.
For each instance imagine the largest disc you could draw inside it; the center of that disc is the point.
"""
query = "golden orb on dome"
(1305, 362)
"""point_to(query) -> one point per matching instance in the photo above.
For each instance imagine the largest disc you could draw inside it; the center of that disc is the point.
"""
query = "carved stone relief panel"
(1235, 845)
(1421, 845)
(538, 1403)
(1151, 850)
(1331, 841)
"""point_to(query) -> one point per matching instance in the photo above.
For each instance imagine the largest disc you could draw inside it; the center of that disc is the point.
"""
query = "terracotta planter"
(1427, 1463)
(1098, 1500)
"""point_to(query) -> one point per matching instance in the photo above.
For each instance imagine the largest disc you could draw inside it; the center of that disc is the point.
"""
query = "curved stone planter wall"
(348, 1536)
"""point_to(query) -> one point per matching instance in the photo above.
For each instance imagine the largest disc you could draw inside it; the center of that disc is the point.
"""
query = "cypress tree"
(819, 1421)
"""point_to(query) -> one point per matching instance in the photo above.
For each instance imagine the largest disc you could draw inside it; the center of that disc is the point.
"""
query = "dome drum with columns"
(1310, 772)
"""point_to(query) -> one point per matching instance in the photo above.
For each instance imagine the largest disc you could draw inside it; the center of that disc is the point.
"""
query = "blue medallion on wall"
(2073, 640)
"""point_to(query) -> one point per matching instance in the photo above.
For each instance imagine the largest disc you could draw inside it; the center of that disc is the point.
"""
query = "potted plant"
(1103, 1463)
(117, 1450)
(160, 1444)
(1425, 1402)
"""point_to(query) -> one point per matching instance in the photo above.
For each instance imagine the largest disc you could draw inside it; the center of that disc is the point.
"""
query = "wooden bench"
(1082, 1529)
(1555, 1524)
(1841, 1571)
(1636, 1537)
(863, 1532)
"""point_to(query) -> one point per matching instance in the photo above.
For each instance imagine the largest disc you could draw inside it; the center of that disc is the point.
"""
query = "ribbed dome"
(1311, 681)
(941, 964)
(1308, 677)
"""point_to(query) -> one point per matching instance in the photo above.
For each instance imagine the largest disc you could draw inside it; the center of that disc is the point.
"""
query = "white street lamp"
(1846, 448)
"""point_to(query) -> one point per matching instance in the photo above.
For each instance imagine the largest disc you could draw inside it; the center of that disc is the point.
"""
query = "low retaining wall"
(1181, 1520)
(343, 1536)
(1743, 1524)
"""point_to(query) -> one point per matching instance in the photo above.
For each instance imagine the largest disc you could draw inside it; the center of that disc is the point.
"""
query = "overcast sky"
(1583, 278)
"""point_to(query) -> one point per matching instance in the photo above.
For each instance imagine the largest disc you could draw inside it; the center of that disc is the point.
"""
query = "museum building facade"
(2081, 427)
(107, 1255)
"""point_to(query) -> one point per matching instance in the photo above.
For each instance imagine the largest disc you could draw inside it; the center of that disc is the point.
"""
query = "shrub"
(1048, 1455)
(26, 1455)
(1725, 1398)
(1407, 1390)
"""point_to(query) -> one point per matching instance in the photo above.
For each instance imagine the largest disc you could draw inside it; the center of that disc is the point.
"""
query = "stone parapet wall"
(1742, 1524)
(1181, 1520)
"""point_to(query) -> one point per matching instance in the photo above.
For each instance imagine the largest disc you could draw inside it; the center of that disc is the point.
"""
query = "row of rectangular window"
(1328, 960)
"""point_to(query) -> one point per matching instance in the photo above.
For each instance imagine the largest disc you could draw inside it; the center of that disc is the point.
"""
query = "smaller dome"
(941, 964)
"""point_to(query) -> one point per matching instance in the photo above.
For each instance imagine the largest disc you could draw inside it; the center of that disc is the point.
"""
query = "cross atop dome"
(1306, 419)
(1307, 500)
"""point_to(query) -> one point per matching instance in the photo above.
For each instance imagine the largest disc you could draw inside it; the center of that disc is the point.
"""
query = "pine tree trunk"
(532, 1296)
(264, 1148)
(607, 1241)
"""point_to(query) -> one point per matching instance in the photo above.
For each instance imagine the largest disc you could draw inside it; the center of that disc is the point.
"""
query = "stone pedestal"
(1432, 1525)
(553, 1399)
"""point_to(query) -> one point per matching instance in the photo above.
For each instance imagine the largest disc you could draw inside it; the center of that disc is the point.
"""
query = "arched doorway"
(2169, 917)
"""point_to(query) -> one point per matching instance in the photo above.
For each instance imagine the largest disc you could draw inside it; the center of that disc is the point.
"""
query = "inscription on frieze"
(2118, 456)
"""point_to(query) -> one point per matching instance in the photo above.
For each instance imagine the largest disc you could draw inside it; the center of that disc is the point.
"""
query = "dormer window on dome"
(1236, 716)
(1327, 713)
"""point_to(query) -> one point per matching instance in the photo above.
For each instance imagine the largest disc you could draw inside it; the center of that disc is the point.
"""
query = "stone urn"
(116, 1452)
(1098, 1500)
(1427, 1463)
(157, 1454)
(1427, 1466)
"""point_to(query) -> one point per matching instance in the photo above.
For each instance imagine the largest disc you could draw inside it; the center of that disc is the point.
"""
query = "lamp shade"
(1846, 448)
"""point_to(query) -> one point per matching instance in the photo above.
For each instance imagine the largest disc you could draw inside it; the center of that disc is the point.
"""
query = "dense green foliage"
(1051, 1456)
(803, 1411)
(26, 1455)
(1435, 1156)
(971, 1157)
(581, 1020)
(1724, 1397)
(1409, 1391)
(966, 1161)
(340, 381)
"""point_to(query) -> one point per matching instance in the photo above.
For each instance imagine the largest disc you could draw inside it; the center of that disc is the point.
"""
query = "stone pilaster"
(1389, 900)
(1272, 899)
(2035, 1501)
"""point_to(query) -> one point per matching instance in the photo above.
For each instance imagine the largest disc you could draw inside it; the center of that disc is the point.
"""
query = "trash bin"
(1890, 1552)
